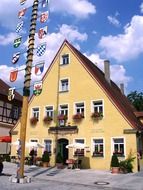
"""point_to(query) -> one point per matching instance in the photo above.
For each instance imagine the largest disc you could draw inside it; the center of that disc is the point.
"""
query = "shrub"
(114, 161)
(126, 166)
(59, 158)
(45, 157)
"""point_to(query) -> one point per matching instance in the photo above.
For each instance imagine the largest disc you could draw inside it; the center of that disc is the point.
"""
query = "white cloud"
(118, 72)
(113, 20)
(141, 7)
(125, 46)
(7, 39)
(79, 8)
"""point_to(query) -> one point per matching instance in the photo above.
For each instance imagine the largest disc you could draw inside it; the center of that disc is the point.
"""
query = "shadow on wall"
(85, 162)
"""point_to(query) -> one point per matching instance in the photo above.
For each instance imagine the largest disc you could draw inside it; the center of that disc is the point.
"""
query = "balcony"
(63, 130)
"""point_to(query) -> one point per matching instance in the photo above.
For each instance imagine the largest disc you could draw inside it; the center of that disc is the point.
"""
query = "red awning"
(5, 139)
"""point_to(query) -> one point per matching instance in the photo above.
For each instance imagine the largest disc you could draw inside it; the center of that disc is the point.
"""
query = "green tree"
(136, 98)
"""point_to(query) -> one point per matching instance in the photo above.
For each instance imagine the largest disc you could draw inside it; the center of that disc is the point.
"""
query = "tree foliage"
(136, 98)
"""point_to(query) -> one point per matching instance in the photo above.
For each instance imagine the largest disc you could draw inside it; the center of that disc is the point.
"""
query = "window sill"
(64, 91)
(98, 156)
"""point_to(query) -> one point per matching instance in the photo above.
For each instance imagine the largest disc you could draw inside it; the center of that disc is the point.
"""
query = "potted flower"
(33, 120)
(114, 164)
(97, 115)
(47, 119)
(78, 116)
(45, 159)
(59, 161)
(62, 117)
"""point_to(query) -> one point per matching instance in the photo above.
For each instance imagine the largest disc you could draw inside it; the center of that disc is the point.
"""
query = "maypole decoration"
(40, 50)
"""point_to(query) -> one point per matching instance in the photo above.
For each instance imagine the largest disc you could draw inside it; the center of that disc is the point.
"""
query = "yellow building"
(79, 103)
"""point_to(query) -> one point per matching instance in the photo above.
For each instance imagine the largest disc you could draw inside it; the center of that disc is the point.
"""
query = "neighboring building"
(9, 114)
(82, 105)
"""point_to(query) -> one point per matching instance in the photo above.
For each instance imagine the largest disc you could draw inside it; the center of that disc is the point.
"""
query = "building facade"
(9, 114)
(79, 103)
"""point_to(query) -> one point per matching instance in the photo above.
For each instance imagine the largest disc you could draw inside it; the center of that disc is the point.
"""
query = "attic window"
(65, 59)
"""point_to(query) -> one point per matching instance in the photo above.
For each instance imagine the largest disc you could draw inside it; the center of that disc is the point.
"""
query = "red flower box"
(47, 119)
(62, 117)
(78, 116)
(33, 120)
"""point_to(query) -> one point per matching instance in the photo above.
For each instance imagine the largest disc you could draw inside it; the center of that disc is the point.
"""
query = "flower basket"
(47, 119)
(33, 120)
(62, 117)
(97, 115)
(78, 116)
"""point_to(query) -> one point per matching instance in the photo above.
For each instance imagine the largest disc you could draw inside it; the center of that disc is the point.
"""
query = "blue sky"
(100, 29)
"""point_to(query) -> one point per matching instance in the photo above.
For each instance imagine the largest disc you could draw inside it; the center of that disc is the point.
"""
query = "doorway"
(61, 147)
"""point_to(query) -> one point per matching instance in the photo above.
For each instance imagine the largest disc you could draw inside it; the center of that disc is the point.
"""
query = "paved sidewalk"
(47, 178)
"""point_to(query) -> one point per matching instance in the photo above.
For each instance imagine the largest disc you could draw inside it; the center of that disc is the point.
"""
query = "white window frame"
(60, 85)
(61, 59)
(92, 105)
(63, 109)
(51, 144)
(92, 146)
(112, 145)
(74, 141)
(45, 111)
(32, 115)
(75, 110)
(35, 140)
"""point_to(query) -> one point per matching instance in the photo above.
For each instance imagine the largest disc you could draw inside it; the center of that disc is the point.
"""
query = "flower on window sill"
(97, 115)
(62, 117)
(33, 120)
(78, 116)
(47, 119)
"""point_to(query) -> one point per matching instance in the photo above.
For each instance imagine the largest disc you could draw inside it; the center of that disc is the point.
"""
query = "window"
(15, 112)
(35, 112)
(49, 111)
(79, 151)
(98, 148)
(63, 110)
(79, 108)
(64, 85)
(98, 106)
(48, 145)
(65, 59)
(118, 146)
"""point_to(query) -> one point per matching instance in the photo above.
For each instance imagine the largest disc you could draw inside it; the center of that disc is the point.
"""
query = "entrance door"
(62, 148)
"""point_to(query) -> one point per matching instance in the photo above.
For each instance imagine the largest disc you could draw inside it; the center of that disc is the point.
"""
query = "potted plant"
(126, 166)
(45, 159)
(97, 115)
(47, 119)
(59, 161)
(114, 164)
(62, 117)
(78, 116)
(33, 120)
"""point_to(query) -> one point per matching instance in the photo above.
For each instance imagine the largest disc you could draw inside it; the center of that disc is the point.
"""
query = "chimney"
(122, 88)
(107, 70)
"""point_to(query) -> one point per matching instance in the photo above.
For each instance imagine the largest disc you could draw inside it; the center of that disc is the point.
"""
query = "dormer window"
(65, 59)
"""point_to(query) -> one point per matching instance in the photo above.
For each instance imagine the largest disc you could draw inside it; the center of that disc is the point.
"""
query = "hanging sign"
(17, 41)
(11, 94)
(39, 68)
(44, 3)
(42, 32)
(22, 2)
(41, 49)
(19, 27)
(44, 17)
(21, 13)
(37, 88)
(15, 57)
(13, 75)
